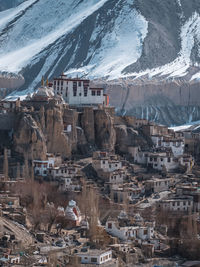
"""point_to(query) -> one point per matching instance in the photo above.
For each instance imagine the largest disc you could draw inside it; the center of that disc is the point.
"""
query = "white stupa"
(72, 212)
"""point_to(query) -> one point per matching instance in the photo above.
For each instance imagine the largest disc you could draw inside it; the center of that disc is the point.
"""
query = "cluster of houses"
(158, 174)
(66, 174)
(167, 151)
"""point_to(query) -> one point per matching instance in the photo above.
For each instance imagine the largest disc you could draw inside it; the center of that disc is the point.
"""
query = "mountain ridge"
(107, 40)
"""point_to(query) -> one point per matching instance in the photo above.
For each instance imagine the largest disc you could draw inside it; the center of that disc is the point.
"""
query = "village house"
(105, 161)
(128, 192)
(95, 256)
(160, 160)
(177, 204)
(158, 185)
(69, 184)
(9, 200)
(10, 259)
(192, 191)
(177, 145)
(154, 129)
(124, 233)
(9, 106)
(41, 166)
(77, 92)
(163, 159)
(114, 178)
(63, 171)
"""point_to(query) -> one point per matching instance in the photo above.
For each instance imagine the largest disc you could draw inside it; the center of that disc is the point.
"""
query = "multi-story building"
(124, 233)
(106, 162)
(77, 92)
(177, 203)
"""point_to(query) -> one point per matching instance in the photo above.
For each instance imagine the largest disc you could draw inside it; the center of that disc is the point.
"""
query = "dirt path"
(20, 232)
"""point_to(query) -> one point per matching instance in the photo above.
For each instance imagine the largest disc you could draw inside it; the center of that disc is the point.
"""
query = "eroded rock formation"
(59, 129)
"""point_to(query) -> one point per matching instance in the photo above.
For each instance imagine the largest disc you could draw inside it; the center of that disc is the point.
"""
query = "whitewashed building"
(77, 92)
(158, 185)
(176, 144)
(95, 256)
(140, 233)
(106, 162)
(163, 159)
(177, 203)
(41, 167)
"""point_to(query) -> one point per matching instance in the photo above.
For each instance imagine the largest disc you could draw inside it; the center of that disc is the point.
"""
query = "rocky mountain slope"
(102, 39)
(32, 133)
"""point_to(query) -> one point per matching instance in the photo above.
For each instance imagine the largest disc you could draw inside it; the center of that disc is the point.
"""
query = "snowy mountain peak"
(100, 38)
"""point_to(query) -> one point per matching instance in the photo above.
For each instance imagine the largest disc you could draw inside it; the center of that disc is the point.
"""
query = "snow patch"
(16, 59)
(120, 47)
(178, 68)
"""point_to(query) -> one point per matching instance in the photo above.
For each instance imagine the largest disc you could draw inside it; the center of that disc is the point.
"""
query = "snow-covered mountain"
(105, 38)
(109, 39)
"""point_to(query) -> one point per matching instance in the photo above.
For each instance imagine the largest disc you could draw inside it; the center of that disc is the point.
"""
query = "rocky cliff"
(169, 102)
(59, 129)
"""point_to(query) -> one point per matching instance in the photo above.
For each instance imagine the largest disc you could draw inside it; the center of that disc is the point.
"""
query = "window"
(161, 159)
(155, 159)
(58, 83)
(168, 160)
(85, 91)
(183, 203)
(98, 92)
(66, 93)
(93, 259)
(178, 203)
(145, 232)
(74, 92)
(103, 161)
(151, 159)
(109, 225)
(61, 83)
(54, 83)
(79, 94)
(79, 83)
(93, 93)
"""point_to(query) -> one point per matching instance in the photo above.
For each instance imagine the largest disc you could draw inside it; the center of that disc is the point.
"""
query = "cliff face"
(29, 139)
(58, 129)
(104, 130)
(172, 102)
